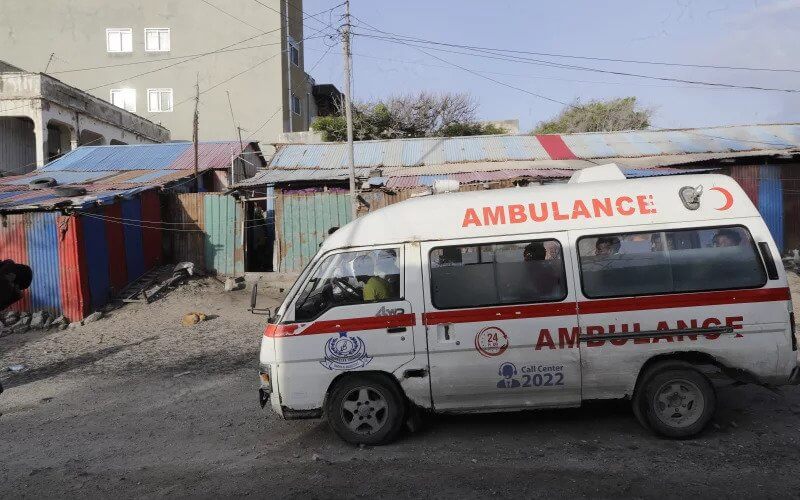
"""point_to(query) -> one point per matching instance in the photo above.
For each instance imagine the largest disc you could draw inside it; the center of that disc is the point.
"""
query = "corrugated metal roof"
(412, 181)
(629, 144)
(171, 156)
(107, 172)
(457, 155)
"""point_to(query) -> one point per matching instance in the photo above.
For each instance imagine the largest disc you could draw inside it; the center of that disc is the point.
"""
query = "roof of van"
(599, 197)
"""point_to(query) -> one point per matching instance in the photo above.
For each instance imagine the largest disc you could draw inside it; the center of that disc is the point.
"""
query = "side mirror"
(253, 300)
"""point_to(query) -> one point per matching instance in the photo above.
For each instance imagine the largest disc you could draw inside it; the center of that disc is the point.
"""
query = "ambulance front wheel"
(365, 408)
(676, 402)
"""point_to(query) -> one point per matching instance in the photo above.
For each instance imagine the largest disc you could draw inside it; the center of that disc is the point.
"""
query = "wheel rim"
(364, 410)
(679, 403)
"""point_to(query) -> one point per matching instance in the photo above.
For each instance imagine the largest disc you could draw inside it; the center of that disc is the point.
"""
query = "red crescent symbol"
(728, 197)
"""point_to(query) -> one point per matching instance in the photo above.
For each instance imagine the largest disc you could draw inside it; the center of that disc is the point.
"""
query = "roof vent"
(609, 172)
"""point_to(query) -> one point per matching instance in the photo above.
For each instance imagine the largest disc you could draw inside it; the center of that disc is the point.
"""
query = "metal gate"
(302, 222)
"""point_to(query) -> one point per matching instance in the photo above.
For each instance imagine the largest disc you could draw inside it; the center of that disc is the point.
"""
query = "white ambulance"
(650, 289)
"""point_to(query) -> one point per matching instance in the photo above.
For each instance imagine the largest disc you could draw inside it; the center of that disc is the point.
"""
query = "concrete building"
(42, 118)
(146, 57)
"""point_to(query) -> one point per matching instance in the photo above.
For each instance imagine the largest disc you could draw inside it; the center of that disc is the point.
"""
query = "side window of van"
(350, 278)
(659, 262)
(502, 273)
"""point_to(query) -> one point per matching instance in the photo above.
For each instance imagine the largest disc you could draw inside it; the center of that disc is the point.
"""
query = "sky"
(751, 33)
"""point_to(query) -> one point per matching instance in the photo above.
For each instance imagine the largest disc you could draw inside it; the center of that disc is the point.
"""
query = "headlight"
(265, 375)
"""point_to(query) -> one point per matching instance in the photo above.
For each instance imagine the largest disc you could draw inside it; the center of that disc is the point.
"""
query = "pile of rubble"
(21, 322)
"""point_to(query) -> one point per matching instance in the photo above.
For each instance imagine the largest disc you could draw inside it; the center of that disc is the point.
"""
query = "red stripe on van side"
(500, 313)
(653, 302)
(342, 325)
(684, 300)
(355, 324)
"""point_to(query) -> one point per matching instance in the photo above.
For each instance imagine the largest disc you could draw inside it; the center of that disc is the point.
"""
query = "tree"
(598, 116)
(412, 115)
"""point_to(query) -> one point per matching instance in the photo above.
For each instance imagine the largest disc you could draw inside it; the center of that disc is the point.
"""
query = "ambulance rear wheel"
(678, 402)
(366, 409)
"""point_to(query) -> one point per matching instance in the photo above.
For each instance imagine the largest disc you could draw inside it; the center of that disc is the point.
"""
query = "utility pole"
(289, 66)
(195, 126)
(348, 109)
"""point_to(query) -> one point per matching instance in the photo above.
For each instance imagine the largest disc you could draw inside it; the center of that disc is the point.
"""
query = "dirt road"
(136, 405)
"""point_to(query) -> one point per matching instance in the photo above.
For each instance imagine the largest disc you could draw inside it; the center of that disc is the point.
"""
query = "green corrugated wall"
(224, 238)
(305, 221)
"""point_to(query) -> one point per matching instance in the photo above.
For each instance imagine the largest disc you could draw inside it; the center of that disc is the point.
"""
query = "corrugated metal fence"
(764, 187)
(302, 222)
(206, 229)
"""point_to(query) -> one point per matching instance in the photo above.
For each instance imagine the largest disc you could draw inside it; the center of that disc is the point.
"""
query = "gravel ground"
(136, 405)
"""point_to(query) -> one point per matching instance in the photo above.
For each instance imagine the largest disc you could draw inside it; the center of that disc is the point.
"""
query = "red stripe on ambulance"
(344, 325)
(500, 313)
(505, 313)
(684, 300)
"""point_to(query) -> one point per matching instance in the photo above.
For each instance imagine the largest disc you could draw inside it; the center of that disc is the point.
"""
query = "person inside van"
(543, 275)
(727, 237)
(607, 245)
(386, 268)
(375, 287)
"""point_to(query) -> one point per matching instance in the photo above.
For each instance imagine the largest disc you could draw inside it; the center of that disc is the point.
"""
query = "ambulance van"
(656, 290)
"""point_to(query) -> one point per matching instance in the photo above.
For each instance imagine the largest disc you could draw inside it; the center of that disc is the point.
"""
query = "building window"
(294, 52)
(124, 98)
(156, 39)
(497, 273)
(673, 261)
(159, 100)
(119, 40)
(296, 107)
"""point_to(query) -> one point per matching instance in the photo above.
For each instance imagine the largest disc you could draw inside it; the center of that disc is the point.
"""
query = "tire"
(676, 401)
(379, 423)
(42, 183)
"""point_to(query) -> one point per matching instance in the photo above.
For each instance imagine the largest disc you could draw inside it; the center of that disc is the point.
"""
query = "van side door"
(501, 323)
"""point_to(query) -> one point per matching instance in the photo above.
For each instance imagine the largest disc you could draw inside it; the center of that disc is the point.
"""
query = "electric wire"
(589, 58)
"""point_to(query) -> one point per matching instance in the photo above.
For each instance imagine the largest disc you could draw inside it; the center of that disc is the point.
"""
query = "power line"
(539, 62)
(161, 59)
(590, 58)
(542, 77)
(230, 15)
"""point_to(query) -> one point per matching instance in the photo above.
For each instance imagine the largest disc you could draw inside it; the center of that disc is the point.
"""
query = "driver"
(375, 288)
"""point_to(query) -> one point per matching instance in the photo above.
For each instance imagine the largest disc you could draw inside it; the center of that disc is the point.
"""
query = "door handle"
(444, 332)
(398, 329)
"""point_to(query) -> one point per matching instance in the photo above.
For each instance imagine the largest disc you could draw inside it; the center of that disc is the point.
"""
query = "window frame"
(512, 242)
(120, 32)
(292, 98)
(292, 306)
(650, 231)
(122, 90)
(159, 91)
(294, 46)
(158, 30)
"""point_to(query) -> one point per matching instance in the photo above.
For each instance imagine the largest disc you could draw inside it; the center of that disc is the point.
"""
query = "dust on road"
(137, 405)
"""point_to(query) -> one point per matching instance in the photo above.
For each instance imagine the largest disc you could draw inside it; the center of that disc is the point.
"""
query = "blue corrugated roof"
(115, 158)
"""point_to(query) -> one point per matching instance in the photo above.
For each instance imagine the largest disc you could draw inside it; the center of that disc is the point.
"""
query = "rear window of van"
(676, 261)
